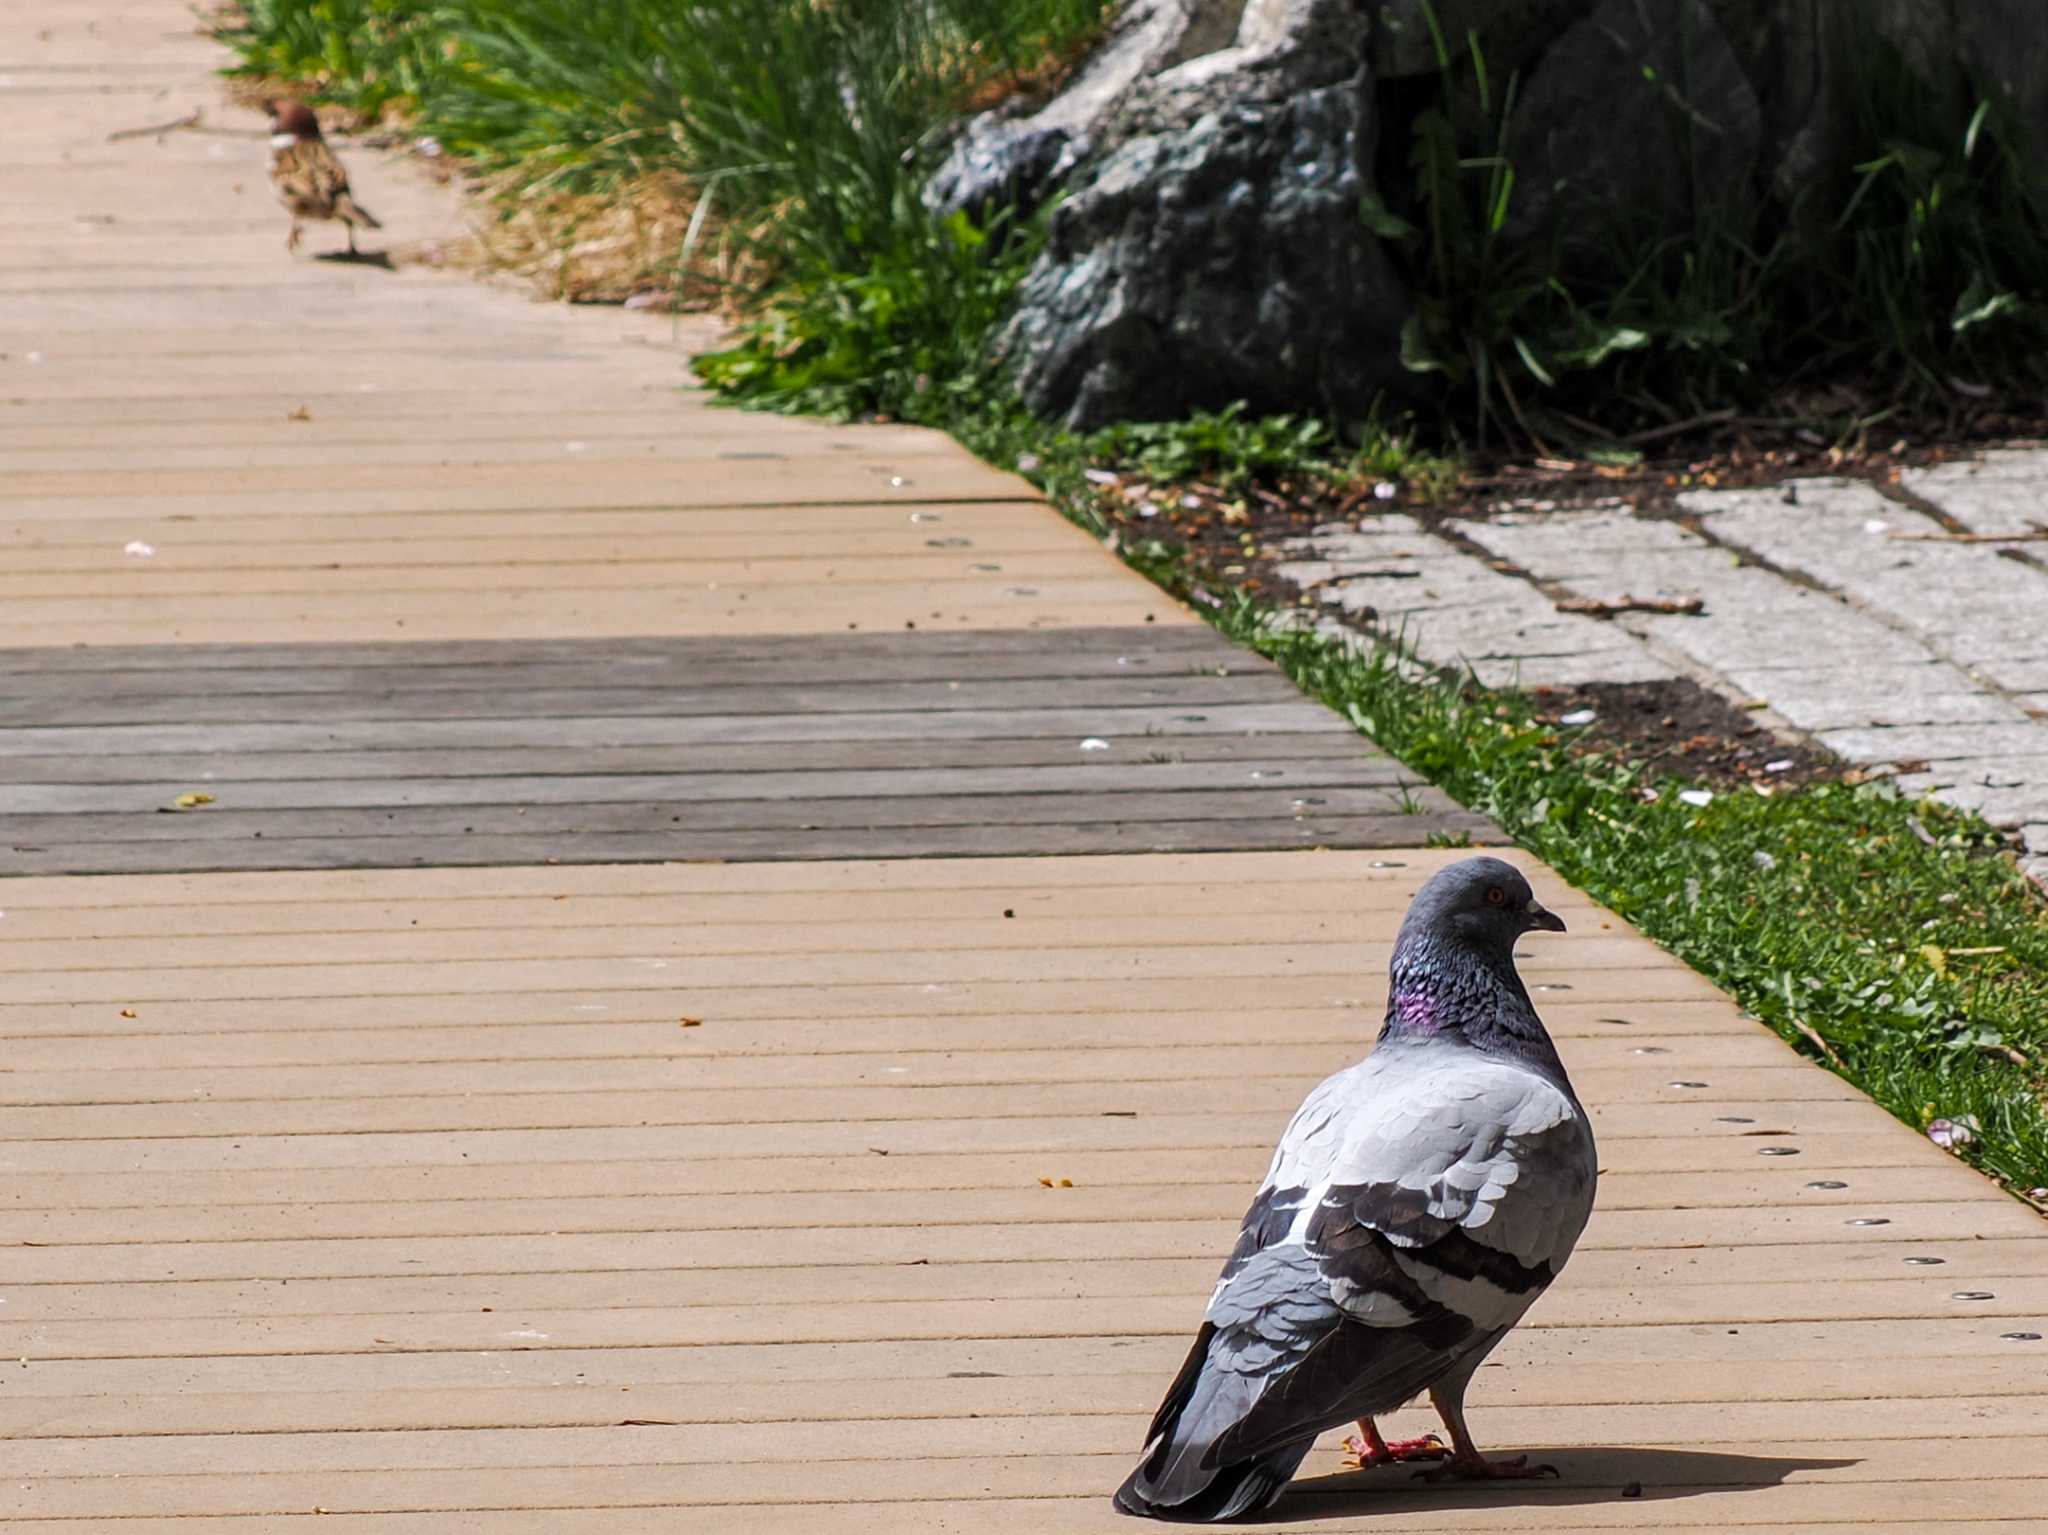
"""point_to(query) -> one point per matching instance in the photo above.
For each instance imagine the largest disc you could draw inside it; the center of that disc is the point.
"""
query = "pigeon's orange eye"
(1495, 895)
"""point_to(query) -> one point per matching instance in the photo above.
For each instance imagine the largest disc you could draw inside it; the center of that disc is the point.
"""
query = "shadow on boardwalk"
(1588, 1476)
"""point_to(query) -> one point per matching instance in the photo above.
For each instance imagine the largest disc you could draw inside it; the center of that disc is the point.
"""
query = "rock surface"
(1636, 123)
(1003, 159)
(1215, 156)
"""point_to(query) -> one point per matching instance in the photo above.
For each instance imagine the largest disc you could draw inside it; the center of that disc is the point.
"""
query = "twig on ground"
(1678, 428)
(189, 120)
(1809, 1032)
(1595, 607)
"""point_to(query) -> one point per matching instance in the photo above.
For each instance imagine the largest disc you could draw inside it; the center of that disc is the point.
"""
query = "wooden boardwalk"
(1145, 739)
(782, 1165)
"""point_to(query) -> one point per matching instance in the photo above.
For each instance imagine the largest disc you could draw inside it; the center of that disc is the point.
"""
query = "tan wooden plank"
(1006, 1189)
(1045, 1516)
(148, 907)
(256, 956)
(1114, 1232)
(1829, 1483)
(97, 541)
(1264, 1070)
(728, 973)
(1721, 1285)
(1840, 1352)
(1398, 873)
(1609, 1403)
(874, 1439)
(914, 1010)
(815, 1052)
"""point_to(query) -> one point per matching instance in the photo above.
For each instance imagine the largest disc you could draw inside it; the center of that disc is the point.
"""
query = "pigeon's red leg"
(1466, 1463)
(291, 241)
(1367, 1449)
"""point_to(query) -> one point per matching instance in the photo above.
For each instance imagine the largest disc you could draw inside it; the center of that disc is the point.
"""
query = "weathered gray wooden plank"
(212, 770)
(906, 808)
(810, 650)
(706, 730)
(904, 744)
(513, 698)
(1082, 774)
(708, 674)
(1394, 831)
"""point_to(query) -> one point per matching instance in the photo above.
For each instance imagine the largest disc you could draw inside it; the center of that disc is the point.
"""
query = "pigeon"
(1417, 1205)
(309, 180)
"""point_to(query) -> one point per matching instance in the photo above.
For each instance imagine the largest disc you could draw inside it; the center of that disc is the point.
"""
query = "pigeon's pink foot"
(1477, 1468)
(1367, 1449)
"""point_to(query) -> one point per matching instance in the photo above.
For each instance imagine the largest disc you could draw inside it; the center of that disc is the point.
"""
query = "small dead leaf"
(127, 1012)
(192, 800)
(1936, 957)
(647, 1423)
(691, 1023)
(1056, 1183)
(301, 414)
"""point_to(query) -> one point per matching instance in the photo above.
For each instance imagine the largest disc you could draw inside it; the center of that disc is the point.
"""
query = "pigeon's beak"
(1548, 920)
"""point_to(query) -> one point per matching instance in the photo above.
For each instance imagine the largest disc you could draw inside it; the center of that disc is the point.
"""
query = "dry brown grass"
(622, 245)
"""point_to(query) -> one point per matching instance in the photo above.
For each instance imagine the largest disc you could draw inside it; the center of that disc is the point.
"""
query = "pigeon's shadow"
(1586, 1475)
(380, 259)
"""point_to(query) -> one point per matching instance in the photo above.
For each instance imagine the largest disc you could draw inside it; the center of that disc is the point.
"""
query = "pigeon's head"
(1484, 902)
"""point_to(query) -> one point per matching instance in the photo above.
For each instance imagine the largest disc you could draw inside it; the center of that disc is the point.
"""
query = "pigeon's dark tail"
(1177, 1479)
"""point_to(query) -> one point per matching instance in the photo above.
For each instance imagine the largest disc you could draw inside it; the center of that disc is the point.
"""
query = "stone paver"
(1855, 615)
(1392, 574)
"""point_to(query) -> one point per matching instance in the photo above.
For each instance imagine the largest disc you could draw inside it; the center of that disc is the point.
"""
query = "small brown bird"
(309, 180)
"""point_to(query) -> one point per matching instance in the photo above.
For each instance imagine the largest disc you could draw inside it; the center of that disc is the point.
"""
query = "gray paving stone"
(1835, 697)
(1453, 608)
(1941, 744)
(2003, 492)
(1970, 605)
(1752, 618)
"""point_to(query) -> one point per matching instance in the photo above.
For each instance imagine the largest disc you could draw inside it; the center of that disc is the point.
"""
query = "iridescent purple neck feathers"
(1448, 988)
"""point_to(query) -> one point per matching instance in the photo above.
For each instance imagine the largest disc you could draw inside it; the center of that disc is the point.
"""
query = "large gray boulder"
(1212, 250)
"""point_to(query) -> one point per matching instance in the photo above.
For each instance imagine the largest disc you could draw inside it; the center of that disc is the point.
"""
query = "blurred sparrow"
(309, 180)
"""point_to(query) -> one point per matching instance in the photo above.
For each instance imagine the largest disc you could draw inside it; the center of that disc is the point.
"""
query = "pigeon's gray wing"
(1448, 1188)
